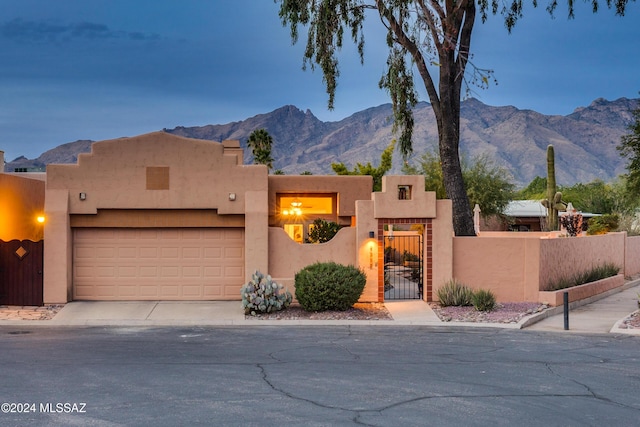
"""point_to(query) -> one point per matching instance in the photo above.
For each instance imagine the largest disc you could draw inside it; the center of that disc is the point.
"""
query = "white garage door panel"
(169, 264)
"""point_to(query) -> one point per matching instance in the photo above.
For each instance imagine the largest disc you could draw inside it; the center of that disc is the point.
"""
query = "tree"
(630, 147)
(536, 189)
(260, 143)
(487, 184)
(420, 33)
(377, 173)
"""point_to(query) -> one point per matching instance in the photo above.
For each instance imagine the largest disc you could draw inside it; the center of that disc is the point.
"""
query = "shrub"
(454, 293)
(408, 256)
(263, 295)
(484, 300)
(329, 286)
(597, 273)
(323, 231)
(602, 224)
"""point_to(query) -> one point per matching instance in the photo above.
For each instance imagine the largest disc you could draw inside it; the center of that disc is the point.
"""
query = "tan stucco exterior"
(165, 182)
(153, 180)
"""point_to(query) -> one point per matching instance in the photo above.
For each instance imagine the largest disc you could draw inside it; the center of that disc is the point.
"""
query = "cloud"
(45, 31)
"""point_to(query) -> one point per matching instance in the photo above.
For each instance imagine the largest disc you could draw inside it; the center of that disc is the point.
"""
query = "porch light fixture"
(372, 234)
(40, 219)
(83, 196)
(232, 196)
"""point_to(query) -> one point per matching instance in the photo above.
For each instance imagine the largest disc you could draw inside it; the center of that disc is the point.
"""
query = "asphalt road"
(333, 376)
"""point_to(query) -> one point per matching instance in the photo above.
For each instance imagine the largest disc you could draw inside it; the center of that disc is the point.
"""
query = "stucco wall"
(632, 256)
(201, 175)
(564, 257)
(154, 172)
(505, 265)
(515, 266)
(367, 249)
(350, 188)
(287, 257)
(21, 201)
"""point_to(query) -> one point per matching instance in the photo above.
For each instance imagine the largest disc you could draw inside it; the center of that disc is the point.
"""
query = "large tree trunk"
(449, 141)
(448, 119)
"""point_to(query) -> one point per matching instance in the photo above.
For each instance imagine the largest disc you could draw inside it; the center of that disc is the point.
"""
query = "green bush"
(323, 231)
(454, 293)
(483, 300)
(263, 295)
(597, 273)
(602, 224)
(329, 286)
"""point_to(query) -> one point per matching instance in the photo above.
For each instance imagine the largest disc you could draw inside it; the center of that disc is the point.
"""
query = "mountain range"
(585, 141)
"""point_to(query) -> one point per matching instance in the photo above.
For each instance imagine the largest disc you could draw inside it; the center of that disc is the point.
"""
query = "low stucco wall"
(516, 266)
(632, 256)
(577, 293)
(287, 257)
(564, 257)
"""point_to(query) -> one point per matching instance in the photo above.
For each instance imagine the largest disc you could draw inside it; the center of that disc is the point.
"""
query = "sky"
(102, 69)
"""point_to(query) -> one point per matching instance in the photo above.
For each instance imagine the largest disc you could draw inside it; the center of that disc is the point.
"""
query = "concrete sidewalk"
(600, 314)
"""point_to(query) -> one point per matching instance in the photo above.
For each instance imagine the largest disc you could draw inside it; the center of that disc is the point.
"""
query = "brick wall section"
(428, 261)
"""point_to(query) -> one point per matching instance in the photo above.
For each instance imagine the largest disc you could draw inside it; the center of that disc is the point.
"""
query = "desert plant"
(483, 300)
(602, 224)
(408, 256)
(454, 293)
(596, 273)
(553, 202)
(323, 231)
(329, 286)
(263, 295)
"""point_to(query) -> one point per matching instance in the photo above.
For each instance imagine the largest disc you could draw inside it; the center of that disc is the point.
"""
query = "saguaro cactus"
(553, 202)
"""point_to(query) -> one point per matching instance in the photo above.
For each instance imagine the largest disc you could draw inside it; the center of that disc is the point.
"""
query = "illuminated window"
(293, 205)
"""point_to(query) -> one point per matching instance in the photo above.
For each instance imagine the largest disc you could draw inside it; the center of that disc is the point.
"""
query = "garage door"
(158, 264)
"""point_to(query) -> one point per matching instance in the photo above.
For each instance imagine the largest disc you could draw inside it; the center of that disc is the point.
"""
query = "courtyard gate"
(403, 267)
(21, 278)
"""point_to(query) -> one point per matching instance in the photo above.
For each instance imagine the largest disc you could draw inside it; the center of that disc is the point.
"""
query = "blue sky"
(100, 69)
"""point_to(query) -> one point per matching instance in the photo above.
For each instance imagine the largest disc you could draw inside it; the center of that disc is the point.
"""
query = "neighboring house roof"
(532, 209)
(525, 209)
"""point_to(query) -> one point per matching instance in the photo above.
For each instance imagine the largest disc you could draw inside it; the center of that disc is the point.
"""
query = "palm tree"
(260, 143)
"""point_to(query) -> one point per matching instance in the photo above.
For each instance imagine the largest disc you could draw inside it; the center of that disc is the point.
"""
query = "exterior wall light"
(83, 196)
(372, 234)
(40, 219)
(232, 196)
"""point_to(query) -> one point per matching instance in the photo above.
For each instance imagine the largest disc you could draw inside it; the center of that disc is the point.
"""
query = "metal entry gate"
(403, 267)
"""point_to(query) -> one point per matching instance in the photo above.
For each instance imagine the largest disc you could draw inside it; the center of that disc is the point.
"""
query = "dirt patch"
(360, 311)
(509, 312)
(47, 312)
(631, 322)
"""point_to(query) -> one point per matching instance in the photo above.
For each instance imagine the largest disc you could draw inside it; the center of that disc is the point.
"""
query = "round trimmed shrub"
(329, 286)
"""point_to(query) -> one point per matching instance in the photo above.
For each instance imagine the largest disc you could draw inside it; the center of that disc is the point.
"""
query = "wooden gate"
(21, 275)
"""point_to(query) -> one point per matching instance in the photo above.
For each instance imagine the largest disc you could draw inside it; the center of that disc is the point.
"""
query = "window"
(404, 192)
(295, 205)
